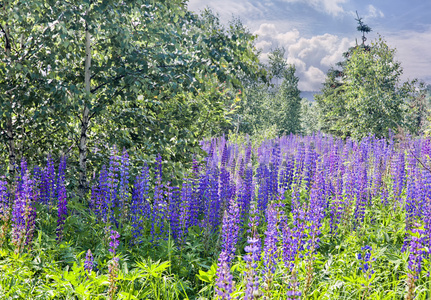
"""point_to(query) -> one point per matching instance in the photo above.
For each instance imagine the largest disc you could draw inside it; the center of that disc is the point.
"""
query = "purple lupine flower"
(140, 206)
(114, 242)
(159, 204)
(309, 166)
(230, 229)
(263, 181)
(270, 255)
(377, 172)
(185, 210)
(412, 203)
(173, 197)
(427, 228)
(4, 198)
(23, 215)
(60, 175)
(316, 210)
(293, 294)
(225, 156)
(365, 261)
(417, 252)
(224, 281)
(292, 241)
(253, 256)
(249, 189)
(196, 201)
(225, 187)
(338, 204)
(37, 176)
(286, 174)
(241, 168)
(89, 262)
(62, 200)
(214, 204)
(398, 175)
(273, 173)
(101, 196)
(361, 192)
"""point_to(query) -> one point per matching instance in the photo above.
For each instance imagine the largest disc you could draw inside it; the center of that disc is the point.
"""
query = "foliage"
(274, 106)
(366, 96)
(159, 78)
(371, 98)
(32, 118)
(285, 108)
(418, 108)
(309, 117)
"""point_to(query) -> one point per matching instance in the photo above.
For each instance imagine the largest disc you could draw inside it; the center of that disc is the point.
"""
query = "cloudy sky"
(315, 33)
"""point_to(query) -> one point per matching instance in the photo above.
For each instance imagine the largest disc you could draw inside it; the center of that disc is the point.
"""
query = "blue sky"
(315, 33)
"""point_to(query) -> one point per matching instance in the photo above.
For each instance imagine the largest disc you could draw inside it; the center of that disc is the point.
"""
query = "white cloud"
(263, 44)
(374, 12)
(266, 29)
(288, 37)
(335, 56)
(332, 7)
(228, 8)
(311, 56)
(413, 51)
(314, 77)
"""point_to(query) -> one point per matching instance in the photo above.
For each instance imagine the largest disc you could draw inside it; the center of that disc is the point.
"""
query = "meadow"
(312, 217)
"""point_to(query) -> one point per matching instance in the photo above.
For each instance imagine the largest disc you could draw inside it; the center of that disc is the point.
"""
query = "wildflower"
(270, 255)
(365, 260)
(293, 294)
(417, 252)
(89, 262)
(114, 243)
(140, 206)
(230, 229)
(23, 215)
(224, 281)
(252, 257)
(62, 200)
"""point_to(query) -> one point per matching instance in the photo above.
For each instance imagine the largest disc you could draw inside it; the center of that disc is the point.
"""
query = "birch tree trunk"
(85, 120)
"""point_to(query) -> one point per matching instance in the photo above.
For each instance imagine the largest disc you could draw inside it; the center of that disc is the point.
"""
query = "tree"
(309, 117)
(285, 109)
(366, 96)
(277, 63)
(146, 75)
(276, 105)
(418, 107)
(330, 100)
(373, 98)
(30, 95)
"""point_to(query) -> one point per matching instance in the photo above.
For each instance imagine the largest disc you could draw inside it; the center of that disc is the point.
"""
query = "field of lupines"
(293, 218)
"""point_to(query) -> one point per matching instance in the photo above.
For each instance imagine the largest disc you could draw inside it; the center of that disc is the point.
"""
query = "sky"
(315, 33)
